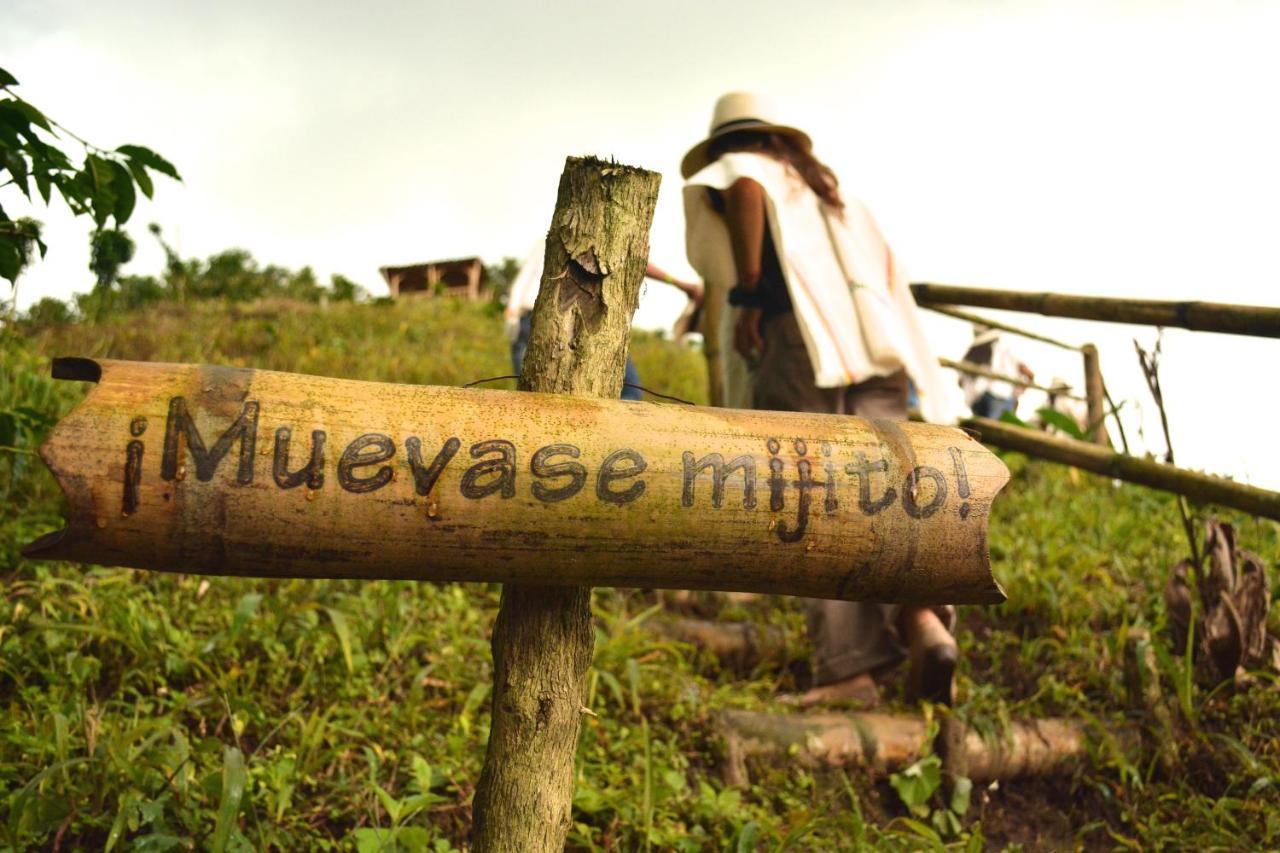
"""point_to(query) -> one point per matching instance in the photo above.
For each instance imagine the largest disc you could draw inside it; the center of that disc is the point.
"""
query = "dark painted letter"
(354, 457)
(912, 483)
(312, 473)
(540, 467)
(719, 473)
(425, 477)
(180, 422)
(609, 473)
(863, 470)
(501, 471)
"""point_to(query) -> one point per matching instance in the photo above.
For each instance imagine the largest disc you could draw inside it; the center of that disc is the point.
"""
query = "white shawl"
(852, 301)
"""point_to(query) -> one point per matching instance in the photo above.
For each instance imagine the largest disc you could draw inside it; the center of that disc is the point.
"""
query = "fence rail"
(1255, 320)
(978, 370)
(1145, 472)
(949, 311)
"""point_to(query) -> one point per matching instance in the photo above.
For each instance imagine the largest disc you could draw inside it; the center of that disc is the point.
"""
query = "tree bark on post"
(1096, 395)
(597, 250)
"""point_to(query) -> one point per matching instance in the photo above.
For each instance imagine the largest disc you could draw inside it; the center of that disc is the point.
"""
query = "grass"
(155, 711)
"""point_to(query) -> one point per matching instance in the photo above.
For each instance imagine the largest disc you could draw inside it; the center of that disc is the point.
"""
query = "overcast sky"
(1114, 148)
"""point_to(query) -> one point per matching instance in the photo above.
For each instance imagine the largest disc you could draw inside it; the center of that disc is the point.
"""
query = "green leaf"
(122, 182)
(128, 803)
(33, 115)
(390, 804)
(10, 258)
(916, 784)
(96, 181)
(1011, 418)
(7, 79)
(140, 176)
(923, 831)
(340, 627)
(150, 159)
(946, 822)
(474, 699)
(1061, 421)
(633, 681)
(422, 774)
(233, 782)
(17, 166)
(246, 609)
(961, 793)
(373, 840)
(42, 183)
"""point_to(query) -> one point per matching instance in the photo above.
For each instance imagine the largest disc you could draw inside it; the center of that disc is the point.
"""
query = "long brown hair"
(784, 149)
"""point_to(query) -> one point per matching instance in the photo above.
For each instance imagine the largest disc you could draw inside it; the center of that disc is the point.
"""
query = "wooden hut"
(462, 278)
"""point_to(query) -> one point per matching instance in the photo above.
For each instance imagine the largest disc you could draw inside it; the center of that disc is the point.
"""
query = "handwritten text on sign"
(817, 481)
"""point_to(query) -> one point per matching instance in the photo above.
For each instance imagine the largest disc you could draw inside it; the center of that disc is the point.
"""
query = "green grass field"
(170, 712)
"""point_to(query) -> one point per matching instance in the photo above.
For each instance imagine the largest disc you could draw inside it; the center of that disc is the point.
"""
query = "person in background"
(824, 322)
(518, 313)
(991, 398)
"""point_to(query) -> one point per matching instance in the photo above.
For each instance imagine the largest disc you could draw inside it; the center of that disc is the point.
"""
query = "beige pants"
(849, 637)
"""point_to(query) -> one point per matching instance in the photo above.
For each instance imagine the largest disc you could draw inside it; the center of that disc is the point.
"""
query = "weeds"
(164, 711)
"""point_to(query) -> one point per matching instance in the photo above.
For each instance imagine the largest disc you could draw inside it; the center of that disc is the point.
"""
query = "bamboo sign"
(244, 472)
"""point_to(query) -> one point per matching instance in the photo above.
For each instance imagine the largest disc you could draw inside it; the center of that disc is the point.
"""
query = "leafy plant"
(103, 185)
(919, 788)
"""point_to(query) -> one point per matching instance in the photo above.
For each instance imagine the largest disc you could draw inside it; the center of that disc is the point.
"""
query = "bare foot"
(933, 655)
(860, 691)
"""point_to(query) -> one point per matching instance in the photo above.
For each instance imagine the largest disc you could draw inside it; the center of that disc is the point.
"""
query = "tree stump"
(597, 250)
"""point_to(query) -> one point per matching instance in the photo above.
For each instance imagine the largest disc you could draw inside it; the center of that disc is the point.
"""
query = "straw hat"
(739, 111)
(983, 334)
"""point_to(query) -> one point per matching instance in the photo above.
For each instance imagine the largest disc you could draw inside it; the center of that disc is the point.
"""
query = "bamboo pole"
(1095, 395)
(243, 472)
(1256, 320)
(1145, 472)
(950, 311)
(978, 370)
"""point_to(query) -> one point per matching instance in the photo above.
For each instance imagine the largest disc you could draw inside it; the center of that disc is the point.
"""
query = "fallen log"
(883, 743)
(740, 646)
(246, 472)
(1047, 747)
(1146, 472)
(875, 741)
(1256, 320)
(704, 602)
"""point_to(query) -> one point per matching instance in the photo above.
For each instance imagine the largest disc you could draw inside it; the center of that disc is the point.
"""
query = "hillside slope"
(360, 709)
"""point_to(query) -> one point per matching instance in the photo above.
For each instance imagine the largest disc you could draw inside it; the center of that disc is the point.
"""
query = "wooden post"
(1095, 395)
(597, 250)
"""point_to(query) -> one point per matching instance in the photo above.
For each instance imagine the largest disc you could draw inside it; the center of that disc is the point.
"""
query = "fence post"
(596, 254)
(1095, 394)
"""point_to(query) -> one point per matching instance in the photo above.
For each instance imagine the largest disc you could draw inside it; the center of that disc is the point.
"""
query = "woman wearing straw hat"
(821, 320)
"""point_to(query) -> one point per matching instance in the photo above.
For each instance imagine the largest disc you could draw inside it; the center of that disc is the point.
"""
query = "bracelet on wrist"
(744, 297)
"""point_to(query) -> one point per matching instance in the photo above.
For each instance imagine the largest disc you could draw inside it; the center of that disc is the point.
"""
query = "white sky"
(1113, 148)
